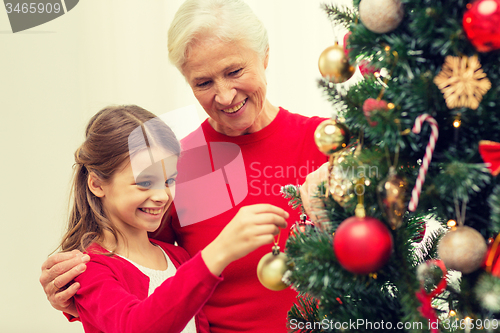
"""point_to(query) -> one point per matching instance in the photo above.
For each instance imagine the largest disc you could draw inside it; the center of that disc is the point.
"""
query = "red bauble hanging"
(371, 105)
(481, 24)
(300, 226)
(364, 66)
(362, 245)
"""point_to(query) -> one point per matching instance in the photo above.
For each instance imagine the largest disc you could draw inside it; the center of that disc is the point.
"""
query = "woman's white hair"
(226, 20)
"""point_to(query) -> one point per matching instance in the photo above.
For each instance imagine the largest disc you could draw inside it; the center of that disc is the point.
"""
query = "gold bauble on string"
(391, 195)
(462, 249)
(272, 268)
(331, 136)
(340, 185)
(334, 65)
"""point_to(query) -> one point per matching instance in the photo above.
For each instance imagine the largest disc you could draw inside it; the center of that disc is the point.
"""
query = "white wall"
(55, 76)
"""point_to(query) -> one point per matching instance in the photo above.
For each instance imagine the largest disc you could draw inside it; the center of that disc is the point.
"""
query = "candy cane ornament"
(429, 150)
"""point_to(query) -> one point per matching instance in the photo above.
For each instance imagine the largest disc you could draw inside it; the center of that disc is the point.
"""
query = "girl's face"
(140, 192)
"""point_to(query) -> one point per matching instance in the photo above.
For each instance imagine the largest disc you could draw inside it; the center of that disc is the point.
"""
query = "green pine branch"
(494, 204)
(292, 193)
(340, 15)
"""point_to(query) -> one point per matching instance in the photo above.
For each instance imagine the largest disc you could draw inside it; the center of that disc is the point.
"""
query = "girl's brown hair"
(111, 136)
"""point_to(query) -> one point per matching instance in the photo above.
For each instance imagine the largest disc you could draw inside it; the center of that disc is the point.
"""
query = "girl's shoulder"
(100, 255)
(95, 249)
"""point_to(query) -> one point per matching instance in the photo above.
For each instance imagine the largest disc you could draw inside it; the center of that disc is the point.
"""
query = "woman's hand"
(252, 227)
(57, 273)
(309, 190)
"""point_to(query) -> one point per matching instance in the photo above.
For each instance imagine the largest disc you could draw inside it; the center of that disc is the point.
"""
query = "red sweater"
(114, 294)
(282, 153)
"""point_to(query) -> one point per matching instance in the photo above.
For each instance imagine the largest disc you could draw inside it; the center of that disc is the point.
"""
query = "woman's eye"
(235, 72)
(203, 84)
(170, 182)
(144, 184)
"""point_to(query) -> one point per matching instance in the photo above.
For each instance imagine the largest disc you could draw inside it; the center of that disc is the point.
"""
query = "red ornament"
(372, 104)
(481, 24)
(490, 259)
(491, 263)
(300, 225)
(362, 245)
(364, 66)
(490, 152)
(426, 309)
(495, 271)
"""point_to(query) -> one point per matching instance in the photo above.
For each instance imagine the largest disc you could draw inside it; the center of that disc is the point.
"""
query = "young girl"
(124, 183)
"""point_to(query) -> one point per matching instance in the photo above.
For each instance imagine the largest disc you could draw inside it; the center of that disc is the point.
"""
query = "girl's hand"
(252, 227)
(57, 273)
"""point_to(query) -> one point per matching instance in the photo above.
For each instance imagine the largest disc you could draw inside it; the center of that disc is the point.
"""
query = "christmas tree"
(416, 140)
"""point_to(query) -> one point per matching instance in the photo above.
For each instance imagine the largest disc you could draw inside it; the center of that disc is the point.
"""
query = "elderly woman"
(222, 50)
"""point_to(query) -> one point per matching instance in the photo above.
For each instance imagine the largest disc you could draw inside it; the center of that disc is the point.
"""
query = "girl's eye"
(170, 182)
(144, 184)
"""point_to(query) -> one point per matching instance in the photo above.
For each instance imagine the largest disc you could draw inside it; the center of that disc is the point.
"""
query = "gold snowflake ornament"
(462, 82)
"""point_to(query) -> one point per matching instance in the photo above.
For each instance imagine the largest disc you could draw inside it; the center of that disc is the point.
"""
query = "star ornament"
(462, 82)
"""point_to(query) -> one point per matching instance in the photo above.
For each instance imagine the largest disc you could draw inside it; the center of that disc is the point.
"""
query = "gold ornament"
(462, 82)
(339, 185)
(271, 269)
(391, 195)
(381, 16)
(334, 65)
(462, 249)
(331, 136)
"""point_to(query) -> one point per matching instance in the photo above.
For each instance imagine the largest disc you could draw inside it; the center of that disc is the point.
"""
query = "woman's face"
(229, 81)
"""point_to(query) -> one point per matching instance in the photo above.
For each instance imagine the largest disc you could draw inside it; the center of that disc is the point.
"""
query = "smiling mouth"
(235, 108)
(151, 211)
